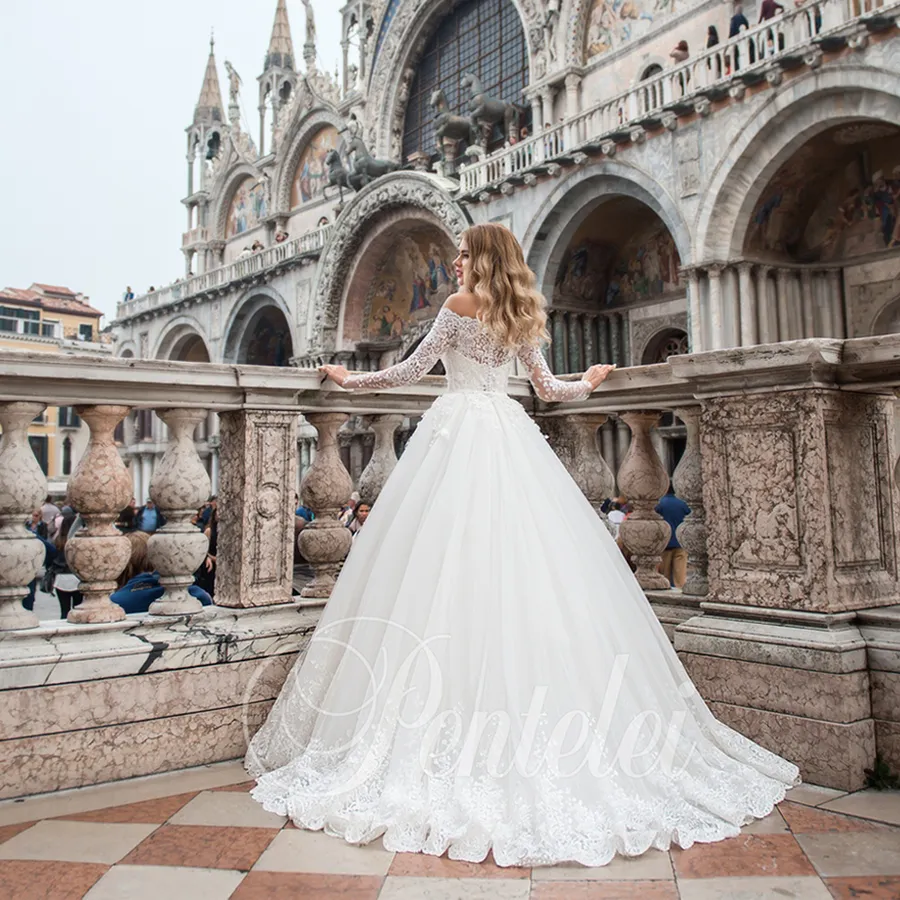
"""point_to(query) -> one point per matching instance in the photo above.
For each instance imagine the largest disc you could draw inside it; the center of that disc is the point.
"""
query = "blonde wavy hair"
(510, 306)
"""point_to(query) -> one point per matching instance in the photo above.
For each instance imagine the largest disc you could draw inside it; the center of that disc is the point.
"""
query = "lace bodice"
(474, 361)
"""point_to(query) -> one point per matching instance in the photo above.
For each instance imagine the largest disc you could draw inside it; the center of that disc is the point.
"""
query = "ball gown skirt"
(488, 674)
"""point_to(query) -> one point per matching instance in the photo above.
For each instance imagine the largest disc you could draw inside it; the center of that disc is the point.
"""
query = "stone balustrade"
(789, 472)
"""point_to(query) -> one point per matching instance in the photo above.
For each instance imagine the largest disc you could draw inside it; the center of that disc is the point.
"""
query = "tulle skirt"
(488, 675)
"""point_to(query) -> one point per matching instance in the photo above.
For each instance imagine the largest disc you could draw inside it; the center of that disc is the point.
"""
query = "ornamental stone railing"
(793, 539)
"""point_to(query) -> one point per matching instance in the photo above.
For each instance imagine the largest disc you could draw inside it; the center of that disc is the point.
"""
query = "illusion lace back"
(487, 674)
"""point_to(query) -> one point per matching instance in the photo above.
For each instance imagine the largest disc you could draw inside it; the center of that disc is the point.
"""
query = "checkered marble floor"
(198, 835)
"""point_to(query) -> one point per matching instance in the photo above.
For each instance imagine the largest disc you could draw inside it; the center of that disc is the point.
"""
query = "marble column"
(574, 440)
(576, 359)
(588, 341)
(615, 340)
(255, 552)
(383, 459)
(146, 477)
(23, 487)
(99, 488)
(807, 304)
(325, 490)
(748, 305)
(643, 480)
(688, 481)
(573, 82)
(180, 485)
(695, 322)
(783, 300)
(537, 121)
(716, 312)
(768, 325)
(835, 290)
(603, 350)
(822, 303)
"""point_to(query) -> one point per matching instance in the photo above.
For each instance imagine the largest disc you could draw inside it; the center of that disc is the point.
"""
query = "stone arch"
(246, 313)
(577, 196)
(394, 66)
(301, 132)
(655, 344)
(127, 350)
(793, 115)
(388, 194)
(887, 320)
(175, 337)
(230, 184)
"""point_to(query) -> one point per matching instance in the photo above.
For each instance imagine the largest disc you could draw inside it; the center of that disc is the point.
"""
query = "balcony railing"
(254, 264)
(781, 42)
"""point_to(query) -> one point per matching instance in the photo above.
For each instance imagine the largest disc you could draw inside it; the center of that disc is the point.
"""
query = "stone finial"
(384, 458)
(643, 480)
(22, 489)
(688, 481)
(99, 489)
(179, 486)
(325, 542)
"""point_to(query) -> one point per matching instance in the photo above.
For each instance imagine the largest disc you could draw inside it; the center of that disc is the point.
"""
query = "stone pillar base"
(881, 629)
(797, 683)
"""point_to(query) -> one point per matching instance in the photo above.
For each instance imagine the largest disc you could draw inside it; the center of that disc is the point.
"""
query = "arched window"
(484, 37)
(650, 71)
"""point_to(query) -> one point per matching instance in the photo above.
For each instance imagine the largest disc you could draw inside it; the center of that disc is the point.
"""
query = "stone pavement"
(198, 835)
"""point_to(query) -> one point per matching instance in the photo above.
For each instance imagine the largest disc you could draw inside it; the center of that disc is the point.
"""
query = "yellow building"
(51, 319)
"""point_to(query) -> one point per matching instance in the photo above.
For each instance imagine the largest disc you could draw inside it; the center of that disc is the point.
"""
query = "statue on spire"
(234, 83)
(309, 46)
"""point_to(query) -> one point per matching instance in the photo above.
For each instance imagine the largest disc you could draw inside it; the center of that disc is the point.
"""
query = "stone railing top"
(871, 364)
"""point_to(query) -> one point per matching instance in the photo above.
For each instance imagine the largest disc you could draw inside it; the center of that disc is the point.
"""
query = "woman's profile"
(488, 675)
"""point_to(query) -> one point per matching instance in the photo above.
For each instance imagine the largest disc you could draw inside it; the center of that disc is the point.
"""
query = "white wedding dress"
(487, 674)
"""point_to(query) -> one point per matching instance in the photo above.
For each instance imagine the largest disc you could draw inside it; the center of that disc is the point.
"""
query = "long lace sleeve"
(419, 363)
(546, 385)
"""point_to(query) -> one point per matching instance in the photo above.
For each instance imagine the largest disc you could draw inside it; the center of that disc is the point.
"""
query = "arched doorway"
(259, 333)
(190, 348)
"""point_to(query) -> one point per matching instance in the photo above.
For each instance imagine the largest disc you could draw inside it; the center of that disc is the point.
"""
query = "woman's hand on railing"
(338, 374)
(596, 375)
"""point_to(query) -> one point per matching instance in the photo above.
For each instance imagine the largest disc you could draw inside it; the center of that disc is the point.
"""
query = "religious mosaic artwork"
(410, 287)
(583, 274)
(248, 207)
(646, 267)
(311, 176)
(612, 23)
(851, 209)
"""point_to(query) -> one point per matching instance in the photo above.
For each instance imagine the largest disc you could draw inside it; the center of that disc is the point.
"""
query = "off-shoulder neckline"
(459, 315)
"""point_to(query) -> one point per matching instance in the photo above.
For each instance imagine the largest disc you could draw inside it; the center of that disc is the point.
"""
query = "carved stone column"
(768, 325)
(747, 305)
(808, 305)
(22, 489)
(180, 484)
(688, 481)
(643, 480)
(574, 440)
(716, 310)
(100, 487)
(785, 332)
(383, 460)
(695, 322)
(325, 489)
(837, 302)
(255, 552)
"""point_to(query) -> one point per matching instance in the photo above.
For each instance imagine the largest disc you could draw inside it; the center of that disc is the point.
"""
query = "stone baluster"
(574, 440)
(748, 305)
(99, 488)
(688, 481)
(22, 489)
(383, 459)
(255, 536)
(643, 480)
(180, 485)
(325, 489)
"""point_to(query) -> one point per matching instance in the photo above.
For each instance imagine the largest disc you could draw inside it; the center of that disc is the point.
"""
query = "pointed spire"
(281, 47)
(209, 106)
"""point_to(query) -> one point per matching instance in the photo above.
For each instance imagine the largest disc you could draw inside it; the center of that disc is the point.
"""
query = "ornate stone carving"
(258, 471)
(702, 106)
(643, 480)
(775, 76)
(554, 170)
(669, 121)
(484, 197)
(506, 188)
(688, 481)
(530, 178)
(384, 458)
(579, 158)
(180, 484)
(389, 193)
(22, 489)
(737, 91)
(608, 148)
(325, 489)
(574, 440)
(99, 489)
(813, 57)
(638, 135)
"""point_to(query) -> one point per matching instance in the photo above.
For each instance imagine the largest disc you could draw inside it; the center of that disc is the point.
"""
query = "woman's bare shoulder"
(463, 303)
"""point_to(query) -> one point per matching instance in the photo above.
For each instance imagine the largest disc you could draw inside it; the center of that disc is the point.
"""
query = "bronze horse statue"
(447, 125)
(364, 166)
(486, 112)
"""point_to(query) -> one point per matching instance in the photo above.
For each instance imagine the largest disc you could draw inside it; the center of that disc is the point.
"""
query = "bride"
(487, 674)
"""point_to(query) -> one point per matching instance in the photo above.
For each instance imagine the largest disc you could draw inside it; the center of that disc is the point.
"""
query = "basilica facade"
(746, 193)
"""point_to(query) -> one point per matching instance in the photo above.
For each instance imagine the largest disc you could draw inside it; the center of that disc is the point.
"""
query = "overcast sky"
(96, 96)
